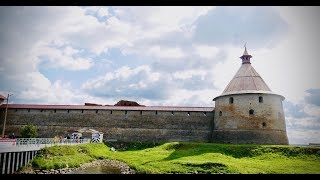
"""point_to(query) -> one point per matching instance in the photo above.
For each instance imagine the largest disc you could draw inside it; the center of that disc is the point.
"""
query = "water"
(101, 169)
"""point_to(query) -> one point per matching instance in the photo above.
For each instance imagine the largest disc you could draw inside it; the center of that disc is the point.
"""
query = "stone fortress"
(246, 112)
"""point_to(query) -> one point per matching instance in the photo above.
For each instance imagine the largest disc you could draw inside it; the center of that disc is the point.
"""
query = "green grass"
(191, 158)
(57, 157)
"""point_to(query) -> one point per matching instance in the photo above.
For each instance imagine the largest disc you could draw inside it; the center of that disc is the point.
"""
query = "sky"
(161, 56)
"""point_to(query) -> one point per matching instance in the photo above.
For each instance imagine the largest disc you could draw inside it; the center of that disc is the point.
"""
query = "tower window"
(111, 112)
(260, 99)
(264, 124)
(171, 112)
(140, 112)
(231, 100)
(68, 110)
(96, 111)
(156, 112)
(220, 113)
(126, 112)
(55, 110)
(82, 111)
(251, 111)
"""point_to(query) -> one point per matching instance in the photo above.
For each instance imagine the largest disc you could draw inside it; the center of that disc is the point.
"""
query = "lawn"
(188, 157)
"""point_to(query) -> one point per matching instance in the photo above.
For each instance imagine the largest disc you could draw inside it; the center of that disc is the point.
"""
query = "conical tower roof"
(246, 80)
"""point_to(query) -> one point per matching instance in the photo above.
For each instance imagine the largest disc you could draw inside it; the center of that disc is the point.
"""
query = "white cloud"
(103, 11)
(126, 75)
(207, 51)
(224, 71)
(261, 26)
(38, 81)
(154, 21)
(42, 91)
(200, 98)
(312, 110)
(302, 121)
(66, 58)
(291, 67)
(187, 74)
(69, 51)
(163, 52)
(301, 136)
(122, 80)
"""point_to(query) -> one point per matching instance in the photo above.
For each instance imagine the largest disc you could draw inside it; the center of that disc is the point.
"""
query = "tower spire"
(245, 57)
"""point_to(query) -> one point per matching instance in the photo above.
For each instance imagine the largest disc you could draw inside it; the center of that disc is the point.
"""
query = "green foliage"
(187, 157)
(29, 131)
(286, 151)
(57, 157)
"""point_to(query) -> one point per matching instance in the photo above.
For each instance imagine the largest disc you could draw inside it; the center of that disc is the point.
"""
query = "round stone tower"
(248, 111)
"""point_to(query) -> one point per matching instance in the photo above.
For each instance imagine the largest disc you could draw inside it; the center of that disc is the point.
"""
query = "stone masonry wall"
(121, 125)
(234, 124)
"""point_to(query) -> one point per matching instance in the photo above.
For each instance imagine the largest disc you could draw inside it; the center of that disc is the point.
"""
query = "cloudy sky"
(180, 56)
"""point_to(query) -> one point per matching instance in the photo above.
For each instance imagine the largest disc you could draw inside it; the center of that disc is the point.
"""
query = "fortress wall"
(119, 124)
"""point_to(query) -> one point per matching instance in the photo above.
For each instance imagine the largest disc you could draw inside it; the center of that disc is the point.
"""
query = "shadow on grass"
(182, 149)
(132, 146)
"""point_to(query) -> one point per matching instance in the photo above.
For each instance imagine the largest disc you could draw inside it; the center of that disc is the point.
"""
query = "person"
(67, 139)
(12, 136)
(60, 139)
(55, 139)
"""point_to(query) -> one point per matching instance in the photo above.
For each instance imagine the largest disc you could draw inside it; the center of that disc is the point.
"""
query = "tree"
(29, 131)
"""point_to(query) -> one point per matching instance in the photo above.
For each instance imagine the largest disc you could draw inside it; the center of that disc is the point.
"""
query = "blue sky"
(180, 56)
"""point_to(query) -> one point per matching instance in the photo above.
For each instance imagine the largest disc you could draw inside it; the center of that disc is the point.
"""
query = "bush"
(29, 131)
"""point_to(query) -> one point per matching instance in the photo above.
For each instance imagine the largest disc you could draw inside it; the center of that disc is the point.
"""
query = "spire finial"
(245, 49)
(245, 57)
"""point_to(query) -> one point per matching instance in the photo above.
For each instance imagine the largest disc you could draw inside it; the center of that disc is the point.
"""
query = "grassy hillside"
(191, 158)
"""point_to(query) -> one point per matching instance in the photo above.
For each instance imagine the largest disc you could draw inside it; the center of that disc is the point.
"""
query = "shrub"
(29, 131)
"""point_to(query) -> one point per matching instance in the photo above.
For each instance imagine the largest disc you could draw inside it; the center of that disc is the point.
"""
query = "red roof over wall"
(132, 108)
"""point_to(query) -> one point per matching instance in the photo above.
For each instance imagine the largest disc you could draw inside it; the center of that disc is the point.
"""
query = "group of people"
(55, 139)
(67, 139)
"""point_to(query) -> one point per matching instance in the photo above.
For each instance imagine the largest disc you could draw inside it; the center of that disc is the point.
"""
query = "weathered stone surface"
(250, 136)
(233, 123)
(145, 126)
